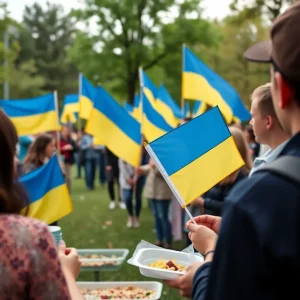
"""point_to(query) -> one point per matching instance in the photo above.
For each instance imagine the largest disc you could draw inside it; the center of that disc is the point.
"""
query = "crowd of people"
(247, 225)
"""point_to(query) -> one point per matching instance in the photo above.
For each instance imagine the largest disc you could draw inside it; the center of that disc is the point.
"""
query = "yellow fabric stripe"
(36, 124)
(167, 113)
(205, 172)
(53, 206)
(150, 131)
(150, 97)
(114, 138)
(68, 117)
(85, 107)
(195, 87)
(137, 114)
(98, 142)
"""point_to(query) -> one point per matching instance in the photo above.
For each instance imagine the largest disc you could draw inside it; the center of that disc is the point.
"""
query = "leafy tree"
(134, 33)
(47, 36)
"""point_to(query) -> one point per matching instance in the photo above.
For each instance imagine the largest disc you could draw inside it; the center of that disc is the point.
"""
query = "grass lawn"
(85, 228)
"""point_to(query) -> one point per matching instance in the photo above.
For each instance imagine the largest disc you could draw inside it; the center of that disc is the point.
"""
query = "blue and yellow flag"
(153, 123)
(70, 109)
(166, 105)
(128, 107)
(113, 125)
(87, 94)
(196, 156)
(199, 108)
(137, 108)
(199, 82)
(49, 198)
(149, 88)
(32, 116)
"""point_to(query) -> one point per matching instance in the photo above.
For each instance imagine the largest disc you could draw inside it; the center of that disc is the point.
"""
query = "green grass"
(85, 228)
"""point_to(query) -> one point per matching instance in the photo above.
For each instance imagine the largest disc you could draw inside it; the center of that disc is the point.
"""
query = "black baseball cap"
(283, 50)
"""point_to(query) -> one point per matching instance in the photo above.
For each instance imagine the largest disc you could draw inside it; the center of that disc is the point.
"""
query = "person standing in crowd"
(101, 163)
(67, 149)
(253, 145)
(40, 151)
(253, 252)
(90, 160)
(79, 157)
(30, 265)
(212, 202)
(24, 144)
(127, 182)
(159, 195)
(266, 126)
(112, 176)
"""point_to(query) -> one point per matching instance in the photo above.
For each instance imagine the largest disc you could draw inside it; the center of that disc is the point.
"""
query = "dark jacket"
(69, 154)
(214, 198)
(258, 249)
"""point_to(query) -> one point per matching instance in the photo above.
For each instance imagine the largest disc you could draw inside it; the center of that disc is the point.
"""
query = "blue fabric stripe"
(200, 135)
(87, 89)
(154, 117)
(69, 99)
(41, 181)
(150, 85)
(117, 114)
(28, 107)
(193, 64)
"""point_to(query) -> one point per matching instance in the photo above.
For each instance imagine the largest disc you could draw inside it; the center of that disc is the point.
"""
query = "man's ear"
(270, 122)
(285, 91)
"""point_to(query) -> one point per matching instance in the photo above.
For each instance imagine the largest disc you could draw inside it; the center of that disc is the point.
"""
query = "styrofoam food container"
(148, 285)
(145, 257)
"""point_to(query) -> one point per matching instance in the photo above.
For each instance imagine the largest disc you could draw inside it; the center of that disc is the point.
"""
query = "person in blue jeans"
(159, 195)
(127, 182)
(90, 160)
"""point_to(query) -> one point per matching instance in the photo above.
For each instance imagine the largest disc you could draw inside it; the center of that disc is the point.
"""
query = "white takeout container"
(147, 285)
(145, 257)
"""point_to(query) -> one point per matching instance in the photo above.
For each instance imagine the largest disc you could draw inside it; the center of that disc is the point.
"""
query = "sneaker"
(122, 205)
(112, 205)
(130, 222)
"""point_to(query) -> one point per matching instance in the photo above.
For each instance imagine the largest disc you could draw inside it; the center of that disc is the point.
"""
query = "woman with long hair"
(42, 149)
(30, 265)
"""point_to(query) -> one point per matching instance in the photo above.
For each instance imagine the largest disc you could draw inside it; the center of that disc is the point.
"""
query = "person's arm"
(85, 143)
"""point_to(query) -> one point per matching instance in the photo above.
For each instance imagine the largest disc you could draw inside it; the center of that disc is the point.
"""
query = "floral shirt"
(29, 264)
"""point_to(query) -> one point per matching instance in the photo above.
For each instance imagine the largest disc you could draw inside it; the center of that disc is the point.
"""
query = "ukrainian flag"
(167, 107)
(32, 116)
(70, 109)
(86, 97)
(49, 199)
(187, 110)
(149, 88)
(137, 109)
(153, 123)
(128, 107)
(196, 156)
(113, 125)
(199, 82)
(199, 108)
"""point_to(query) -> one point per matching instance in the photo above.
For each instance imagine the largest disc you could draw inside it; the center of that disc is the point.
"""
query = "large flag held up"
(70, 109)
(49, 199)
(167, 107)
(33, 116)
(199, 82)
(153, 123)
(113, 125)
(196, 156)
(87, 94)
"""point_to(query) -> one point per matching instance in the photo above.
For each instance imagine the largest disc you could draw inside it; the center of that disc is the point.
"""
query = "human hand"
(67, 147)
(152, 164)
(108, 168)
(69, 260)
(184, 283)
(140, 171)
(212, 222)
(203, 238)
(198, 202)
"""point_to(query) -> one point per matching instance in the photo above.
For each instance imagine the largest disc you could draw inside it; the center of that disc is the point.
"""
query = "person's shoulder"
(263, 189)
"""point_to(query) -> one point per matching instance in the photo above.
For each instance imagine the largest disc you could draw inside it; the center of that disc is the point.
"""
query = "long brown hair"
(12, 196)
(36, 152)
(242, 146)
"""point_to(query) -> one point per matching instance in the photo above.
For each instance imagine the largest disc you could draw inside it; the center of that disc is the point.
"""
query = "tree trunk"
(132, 81)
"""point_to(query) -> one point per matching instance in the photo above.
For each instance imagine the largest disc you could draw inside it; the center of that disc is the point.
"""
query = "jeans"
(138, 194)
(101, 165)
(78, 163)
(90, 172)
(127, 196)
(160, 210)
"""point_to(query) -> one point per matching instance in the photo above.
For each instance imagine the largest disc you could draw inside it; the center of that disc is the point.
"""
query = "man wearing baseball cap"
(254, 251)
